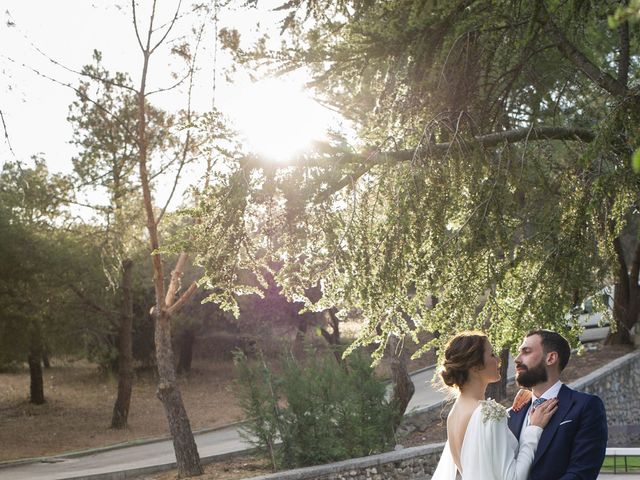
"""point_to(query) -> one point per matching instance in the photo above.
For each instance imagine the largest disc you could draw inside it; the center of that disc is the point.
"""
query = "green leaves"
(502, 238)
(630, 13)
(635, 161)
(321, 411)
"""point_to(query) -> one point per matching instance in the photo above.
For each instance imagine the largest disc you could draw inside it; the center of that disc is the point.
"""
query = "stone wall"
(617, 384)
(407, 464)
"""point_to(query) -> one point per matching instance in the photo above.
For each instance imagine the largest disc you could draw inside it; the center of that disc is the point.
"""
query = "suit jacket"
(573, 443)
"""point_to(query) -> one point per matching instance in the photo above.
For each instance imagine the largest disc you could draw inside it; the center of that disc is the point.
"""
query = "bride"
(480, 445)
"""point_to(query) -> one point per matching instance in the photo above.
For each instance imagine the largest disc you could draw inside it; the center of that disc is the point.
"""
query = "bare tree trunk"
(333, 337)
(403, 387)
(625, 315)
(186, 451)
(183, 442)
(498, 390)
(187, 340)
(46, 358)
(36, 395)
(125, 351)
(626, 298)
(167, 302)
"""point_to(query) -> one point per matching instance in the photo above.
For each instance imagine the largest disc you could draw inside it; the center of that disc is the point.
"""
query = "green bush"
(319, 411)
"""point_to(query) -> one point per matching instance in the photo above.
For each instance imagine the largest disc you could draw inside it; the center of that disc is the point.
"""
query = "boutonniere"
(521, 399)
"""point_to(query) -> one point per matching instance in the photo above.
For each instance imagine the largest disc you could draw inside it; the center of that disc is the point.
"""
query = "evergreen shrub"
(316, 411)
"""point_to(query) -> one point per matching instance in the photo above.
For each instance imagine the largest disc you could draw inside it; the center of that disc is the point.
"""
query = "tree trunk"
(187, 340)
(625, 316)
(35, 368)
(498, 390)
(626, 297)
(46, 359)
(187, 458)
(403, 387)
(183, 442)
(333, 337)
(301, 332)
(125, 351)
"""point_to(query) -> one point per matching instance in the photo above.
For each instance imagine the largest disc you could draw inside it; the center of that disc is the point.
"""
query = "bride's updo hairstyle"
(462, 353)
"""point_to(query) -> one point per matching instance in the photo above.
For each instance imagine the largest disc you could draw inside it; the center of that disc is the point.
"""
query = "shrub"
(318, 410)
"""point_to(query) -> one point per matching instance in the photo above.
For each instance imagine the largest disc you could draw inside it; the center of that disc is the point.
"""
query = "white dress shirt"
(550, 393)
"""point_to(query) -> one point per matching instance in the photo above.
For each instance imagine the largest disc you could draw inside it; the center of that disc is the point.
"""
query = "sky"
(42, 43)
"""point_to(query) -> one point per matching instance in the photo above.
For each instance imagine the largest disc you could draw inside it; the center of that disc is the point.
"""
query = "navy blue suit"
(573, 444)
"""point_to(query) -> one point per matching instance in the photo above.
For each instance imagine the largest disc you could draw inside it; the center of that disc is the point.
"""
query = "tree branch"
(623, 60)
(176, 275)
(622, 264)
(579, 59)
(349, 179)
(187, 142)
(188, 293)
(80, 73)
(77, 90)
(166, 89)
(529, 134)
(176, 179)
(635, 270)
(6, 134)
(437, 149)
(135, 24)
(171, 24)
(90, 303)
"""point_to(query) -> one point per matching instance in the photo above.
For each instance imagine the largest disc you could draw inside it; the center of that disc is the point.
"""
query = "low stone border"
(584, 382)
(407, 463)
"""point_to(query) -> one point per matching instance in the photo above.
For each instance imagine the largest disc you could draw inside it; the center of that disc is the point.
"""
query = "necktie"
(536, 403)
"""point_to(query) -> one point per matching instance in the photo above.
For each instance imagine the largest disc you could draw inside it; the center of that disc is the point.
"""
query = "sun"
(276, 119)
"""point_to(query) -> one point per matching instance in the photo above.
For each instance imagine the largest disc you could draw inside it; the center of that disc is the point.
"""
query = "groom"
(573, 444)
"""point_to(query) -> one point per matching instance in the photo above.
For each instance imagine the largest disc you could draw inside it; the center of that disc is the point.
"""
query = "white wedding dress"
(489, 449)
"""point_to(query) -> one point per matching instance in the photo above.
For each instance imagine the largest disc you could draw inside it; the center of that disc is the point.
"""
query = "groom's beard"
(532, 376)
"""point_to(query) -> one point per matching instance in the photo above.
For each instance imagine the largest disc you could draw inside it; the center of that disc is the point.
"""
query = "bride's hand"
(541, 415)
(522, 398)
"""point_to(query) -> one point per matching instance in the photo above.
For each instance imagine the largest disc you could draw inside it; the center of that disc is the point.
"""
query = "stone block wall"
(618, 385)
(407, 464)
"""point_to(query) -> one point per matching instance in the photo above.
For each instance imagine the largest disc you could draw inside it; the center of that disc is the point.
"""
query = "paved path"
(130, 458)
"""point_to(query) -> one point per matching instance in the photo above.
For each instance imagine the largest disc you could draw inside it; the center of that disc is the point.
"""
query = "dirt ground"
(250, 466)
(80, 401)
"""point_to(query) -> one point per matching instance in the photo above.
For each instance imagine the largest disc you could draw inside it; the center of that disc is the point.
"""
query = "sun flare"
(276, 119)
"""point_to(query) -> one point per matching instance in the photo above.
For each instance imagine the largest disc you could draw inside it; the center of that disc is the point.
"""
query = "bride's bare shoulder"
(463, 408)
(459, 416)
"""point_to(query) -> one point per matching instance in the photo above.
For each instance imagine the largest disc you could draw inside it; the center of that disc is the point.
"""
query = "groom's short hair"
(554, 342)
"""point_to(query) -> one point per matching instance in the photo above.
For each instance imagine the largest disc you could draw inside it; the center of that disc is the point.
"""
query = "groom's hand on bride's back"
(521, 399)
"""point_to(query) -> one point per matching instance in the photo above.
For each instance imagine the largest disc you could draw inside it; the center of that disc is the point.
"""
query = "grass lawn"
(633, 464)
